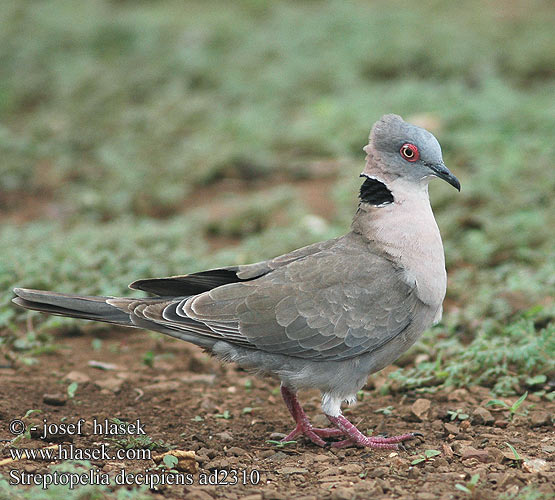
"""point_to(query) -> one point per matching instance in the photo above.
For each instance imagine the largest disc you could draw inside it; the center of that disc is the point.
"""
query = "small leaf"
(280, 444)
(96, 344)
(537, 380)
(474, 479)
(431, 453)
(462, 488)
(388, 410)
(148, 358)
(170, 461)
(417, 461)
(497, 402)
(31, 412)
(197, 418)
(515, 453)
(72, 389)
(519, 401)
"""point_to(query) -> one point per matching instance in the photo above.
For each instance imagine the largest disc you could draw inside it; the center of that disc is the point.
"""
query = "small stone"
(112, 384)
(266, 453)
(224, 436)
(351, 469)
(292, 470)
(482, 416)
(420, 408)
(535, 465)
(501, 424)
(539, 418)
(78, 377)
(378, 472)
(197, 493)
(447, 450)
(200, 379)
(186, 460)
(278, 456)
(414, 473)
(273, 495)
(509, 479)
(167, 386)
(54, 399)
(277, 435)
(235, 450)
(451, 428)
(424, 495)
(470, 452)
(256, 496)
(342, 493)
(458, 395)
(496, 455)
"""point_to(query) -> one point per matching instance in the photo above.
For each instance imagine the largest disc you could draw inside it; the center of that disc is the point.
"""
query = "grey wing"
(196, 283)
(331, 305)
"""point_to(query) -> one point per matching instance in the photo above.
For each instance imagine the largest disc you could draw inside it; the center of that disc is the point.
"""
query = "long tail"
(120, 311)
(74, 306)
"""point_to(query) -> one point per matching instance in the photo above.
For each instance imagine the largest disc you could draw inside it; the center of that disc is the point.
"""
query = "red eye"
(409, 152)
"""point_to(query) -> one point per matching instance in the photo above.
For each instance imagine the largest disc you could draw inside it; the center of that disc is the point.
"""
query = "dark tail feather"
(73, 306)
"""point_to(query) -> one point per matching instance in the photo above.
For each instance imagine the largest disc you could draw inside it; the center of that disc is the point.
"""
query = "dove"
(324, 316)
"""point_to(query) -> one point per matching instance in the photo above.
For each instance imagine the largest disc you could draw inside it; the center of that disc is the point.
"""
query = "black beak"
(441, 171)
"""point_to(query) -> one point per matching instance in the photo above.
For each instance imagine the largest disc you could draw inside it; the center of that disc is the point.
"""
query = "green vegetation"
(113, 114)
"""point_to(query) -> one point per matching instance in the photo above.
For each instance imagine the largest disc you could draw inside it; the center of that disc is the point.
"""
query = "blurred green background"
(151, 138)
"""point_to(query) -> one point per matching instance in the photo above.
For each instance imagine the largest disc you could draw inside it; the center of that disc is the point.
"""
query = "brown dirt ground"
(184, 383)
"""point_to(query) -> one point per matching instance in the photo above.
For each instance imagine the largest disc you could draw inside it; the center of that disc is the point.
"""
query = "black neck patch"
(375, 192)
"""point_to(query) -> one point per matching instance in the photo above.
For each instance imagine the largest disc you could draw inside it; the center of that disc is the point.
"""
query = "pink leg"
(304, 426)
(357, 438)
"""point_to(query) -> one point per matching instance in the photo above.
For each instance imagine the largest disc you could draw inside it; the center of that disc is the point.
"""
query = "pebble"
(468, 452)
(111, 384)
(451, 428)
(278, 456)
(535, 465)
(378, 472)
(495, 454)
(224, 436)
(235, 450)
(482, 416)
(78, 377)
(57, 399)
(167, 386)
(539, 418)
(342, 494)
(200, 378)
(420, 408)
(255, 496)
(292, 470)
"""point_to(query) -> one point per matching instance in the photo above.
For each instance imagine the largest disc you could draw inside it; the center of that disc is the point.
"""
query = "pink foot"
(357, 438)
(304, 427)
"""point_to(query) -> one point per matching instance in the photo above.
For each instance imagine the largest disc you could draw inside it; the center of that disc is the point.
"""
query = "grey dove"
(324, 316)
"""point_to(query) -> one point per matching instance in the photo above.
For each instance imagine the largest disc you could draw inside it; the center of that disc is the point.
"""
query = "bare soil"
(185, 397)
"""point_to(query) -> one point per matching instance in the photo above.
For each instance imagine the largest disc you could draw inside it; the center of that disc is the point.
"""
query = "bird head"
(398, 150)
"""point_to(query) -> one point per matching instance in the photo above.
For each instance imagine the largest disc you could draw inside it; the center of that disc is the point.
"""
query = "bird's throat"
(375, 193)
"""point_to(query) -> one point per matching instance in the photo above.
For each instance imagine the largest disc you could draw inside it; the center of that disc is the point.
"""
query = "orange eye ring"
(410, 152)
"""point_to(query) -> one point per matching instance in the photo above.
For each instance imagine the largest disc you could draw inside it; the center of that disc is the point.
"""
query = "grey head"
(401, 151)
